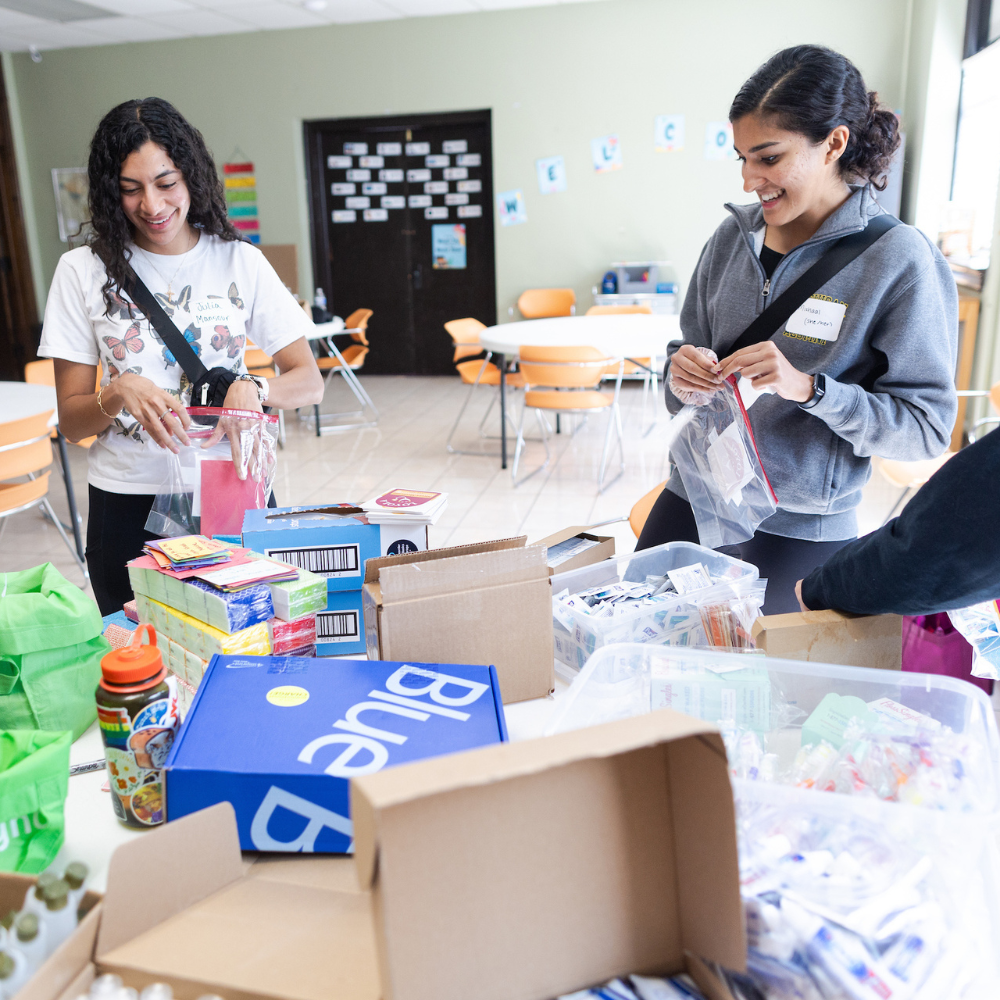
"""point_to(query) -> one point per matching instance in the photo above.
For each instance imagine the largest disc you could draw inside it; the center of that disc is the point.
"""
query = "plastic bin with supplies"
(578, 636)
(824, 874)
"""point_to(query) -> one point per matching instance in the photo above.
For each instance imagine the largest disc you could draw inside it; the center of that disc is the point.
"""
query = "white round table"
(26, 399)
(626, 335)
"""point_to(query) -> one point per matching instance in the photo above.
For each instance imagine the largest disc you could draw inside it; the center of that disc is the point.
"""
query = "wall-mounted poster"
(510, 205)
(448, 247)
(551, 174)
(241, 196)
(606, 153)
(71, 188)
(719, 141)
(668, 133)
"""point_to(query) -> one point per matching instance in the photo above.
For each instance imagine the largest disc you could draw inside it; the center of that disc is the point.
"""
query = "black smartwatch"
(819, 391)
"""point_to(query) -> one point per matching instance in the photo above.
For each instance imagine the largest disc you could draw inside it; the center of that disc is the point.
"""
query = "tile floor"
(407, 449)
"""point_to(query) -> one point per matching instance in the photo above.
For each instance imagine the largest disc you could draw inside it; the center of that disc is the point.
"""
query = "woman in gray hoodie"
(865, 367)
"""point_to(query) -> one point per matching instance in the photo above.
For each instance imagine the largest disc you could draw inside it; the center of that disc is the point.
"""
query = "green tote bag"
(50, 652)
(34, 780)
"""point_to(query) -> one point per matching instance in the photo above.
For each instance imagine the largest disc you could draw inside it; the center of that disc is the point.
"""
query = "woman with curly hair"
(157, 207)
(863, 367)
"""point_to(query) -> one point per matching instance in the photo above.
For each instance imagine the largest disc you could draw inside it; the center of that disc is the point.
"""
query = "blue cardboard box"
(332, 545)
(281, 737)
(340, 629)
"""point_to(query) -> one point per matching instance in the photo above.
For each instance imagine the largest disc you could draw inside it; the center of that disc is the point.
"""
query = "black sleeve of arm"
(941, 553)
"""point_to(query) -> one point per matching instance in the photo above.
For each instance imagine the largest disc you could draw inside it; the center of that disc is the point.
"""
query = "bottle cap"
(7, 921)
(46, 878)
(27, 927)
(76, 874)
(6, 965)
(157, 991)
(56, 895)
(105, 985)
(134, 662)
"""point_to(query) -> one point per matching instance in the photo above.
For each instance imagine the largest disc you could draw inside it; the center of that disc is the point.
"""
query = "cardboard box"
(488, 603)
(832, 637)
(333, 542)
(603, 548)
(340, 627)
(281, 737)
(526, 871)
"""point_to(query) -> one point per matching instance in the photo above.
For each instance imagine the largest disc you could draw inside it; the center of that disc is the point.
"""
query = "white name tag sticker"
(817, 320)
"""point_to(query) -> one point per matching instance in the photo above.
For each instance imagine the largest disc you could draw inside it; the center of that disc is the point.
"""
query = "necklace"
(170, 283)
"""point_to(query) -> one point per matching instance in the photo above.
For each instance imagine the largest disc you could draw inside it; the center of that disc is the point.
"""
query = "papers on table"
(399, 506)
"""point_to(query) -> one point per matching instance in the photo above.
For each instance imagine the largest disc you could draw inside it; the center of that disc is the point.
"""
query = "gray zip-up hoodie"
(890, 385)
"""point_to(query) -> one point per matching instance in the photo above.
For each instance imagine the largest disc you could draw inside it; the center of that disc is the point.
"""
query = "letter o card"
(817, 319)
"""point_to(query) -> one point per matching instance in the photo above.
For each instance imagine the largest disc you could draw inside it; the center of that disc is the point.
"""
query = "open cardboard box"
(603, 548)
(487, 603)
(529, 870)
(832, 637)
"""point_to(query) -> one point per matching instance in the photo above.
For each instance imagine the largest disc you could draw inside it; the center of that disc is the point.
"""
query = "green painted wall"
(555, 77)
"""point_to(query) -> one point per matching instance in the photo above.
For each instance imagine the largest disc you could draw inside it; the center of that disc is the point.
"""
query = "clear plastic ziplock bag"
(980, 624)
(716, 456)
(208, 489)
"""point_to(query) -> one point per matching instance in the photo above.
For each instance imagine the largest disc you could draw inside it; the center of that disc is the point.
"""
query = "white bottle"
(34, 900)
(106, 985)
(76, 877)
(157, 991)
(60, 917)
(319, 299)
(13, 973)
(30, 934)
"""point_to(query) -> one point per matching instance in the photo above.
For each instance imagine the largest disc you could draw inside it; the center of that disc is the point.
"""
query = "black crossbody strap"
(834, 260)
(165, 327)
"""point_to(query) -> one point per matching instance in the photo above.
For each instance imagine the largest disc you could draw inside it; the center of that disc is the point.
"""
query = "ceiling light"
(314, 5)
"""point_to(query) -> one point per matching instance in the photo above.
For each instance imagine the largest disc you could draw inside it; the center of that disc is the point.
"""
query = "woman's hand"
(162, 416)
(693, 371)
(241, 395)
(765, 365)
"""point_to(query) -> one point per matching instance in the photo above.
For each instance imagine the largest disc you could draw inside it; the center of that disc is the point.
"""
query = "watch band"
(819, 391)
(258, 382)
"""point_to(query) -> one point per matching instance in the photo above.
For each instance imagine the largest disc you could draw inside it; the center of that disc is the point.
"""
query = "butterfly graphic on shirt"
(234, 296)
(114, 372)
(124, 308)
(223, 340)
(171, 305)
(130, 342)
(192, 335)
(134, 431)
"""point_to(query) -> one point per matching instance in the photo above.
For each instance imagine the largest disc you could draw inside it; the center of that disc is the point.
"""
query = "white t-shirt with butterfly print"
(221, 293)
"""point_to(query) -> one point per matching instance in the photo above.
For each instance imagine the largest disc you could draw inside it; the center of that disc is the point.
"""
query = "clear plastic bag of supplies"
(980, 624)
(716, 456)
(208, 489)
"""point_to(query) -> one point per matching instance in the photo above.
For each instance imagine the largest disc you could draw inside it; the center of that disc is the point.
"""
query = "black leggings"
(781, 561)
(116, 533)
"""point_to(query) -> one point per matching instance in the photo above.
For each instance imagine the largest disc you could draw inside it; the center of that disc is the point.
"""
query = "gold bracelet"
(99, 406)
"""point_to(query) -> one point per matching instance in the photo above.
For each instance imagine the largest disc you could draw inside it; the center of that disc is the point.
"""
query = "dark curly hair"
(122, 131)
(811, 90)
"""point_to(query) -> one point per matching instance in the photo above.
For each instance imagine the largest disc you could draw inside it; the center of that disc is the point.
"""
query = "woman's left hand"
(765, 365)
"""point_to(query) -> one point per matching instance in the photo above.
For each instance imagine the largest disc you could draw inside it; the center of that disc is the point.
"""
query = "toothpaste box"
(281, 737)
(340, 627)
(326, 542)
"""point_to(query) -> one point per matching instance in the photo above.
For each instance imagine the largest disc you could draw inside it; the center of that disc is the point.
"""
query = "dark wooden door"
(402, 224)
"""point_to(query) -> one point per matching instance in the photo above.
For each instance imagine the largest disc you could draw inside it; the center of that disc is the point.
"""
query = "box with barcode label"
(330, 544)
(340, 629)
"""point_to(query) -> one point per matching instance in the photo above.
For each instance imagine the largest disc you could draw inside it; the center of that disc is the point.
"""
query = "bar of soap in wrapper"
(286, 637)
(201, 639)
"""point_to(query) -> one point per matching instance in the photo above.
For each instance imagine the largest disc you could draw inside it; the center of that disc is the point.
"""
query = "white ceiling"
(157, 20)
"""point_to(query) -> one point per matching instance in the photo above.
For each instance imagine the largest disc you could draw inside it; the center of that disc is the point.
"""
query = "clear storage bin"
(957, 841)
(577, 636)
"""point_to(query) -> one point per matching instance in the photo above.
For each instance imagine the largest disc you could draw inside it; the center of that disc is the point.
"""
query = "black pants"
(116, 533)
(781, 561)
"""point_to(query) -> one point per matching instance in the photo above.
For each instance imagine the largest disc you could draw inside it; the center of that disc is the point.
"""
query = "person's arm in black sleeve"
(941, 553)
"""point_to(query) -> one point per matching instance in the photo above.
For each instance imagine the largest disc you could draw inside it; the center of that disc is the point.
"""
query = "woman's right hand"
(694, 371)
(162, 416)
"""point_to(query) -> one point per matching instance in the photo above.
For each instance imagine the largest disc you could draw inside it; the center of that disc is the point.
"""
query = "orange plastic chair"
(465, 334)
(348, 361)
(640, 509)
(25, 451)
(44, 373)
(567, 380)
(540, 303)
(260, 363)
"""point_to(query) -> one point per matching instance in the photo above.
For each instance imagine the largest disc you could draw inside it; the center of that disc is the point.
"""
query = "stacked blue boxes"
(334, 546)
(281, 737)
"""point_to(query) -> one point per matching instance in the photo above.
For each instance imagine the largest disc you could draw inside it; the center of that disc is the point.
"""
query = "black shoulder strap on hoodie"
(834, 260)
(162, 324)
